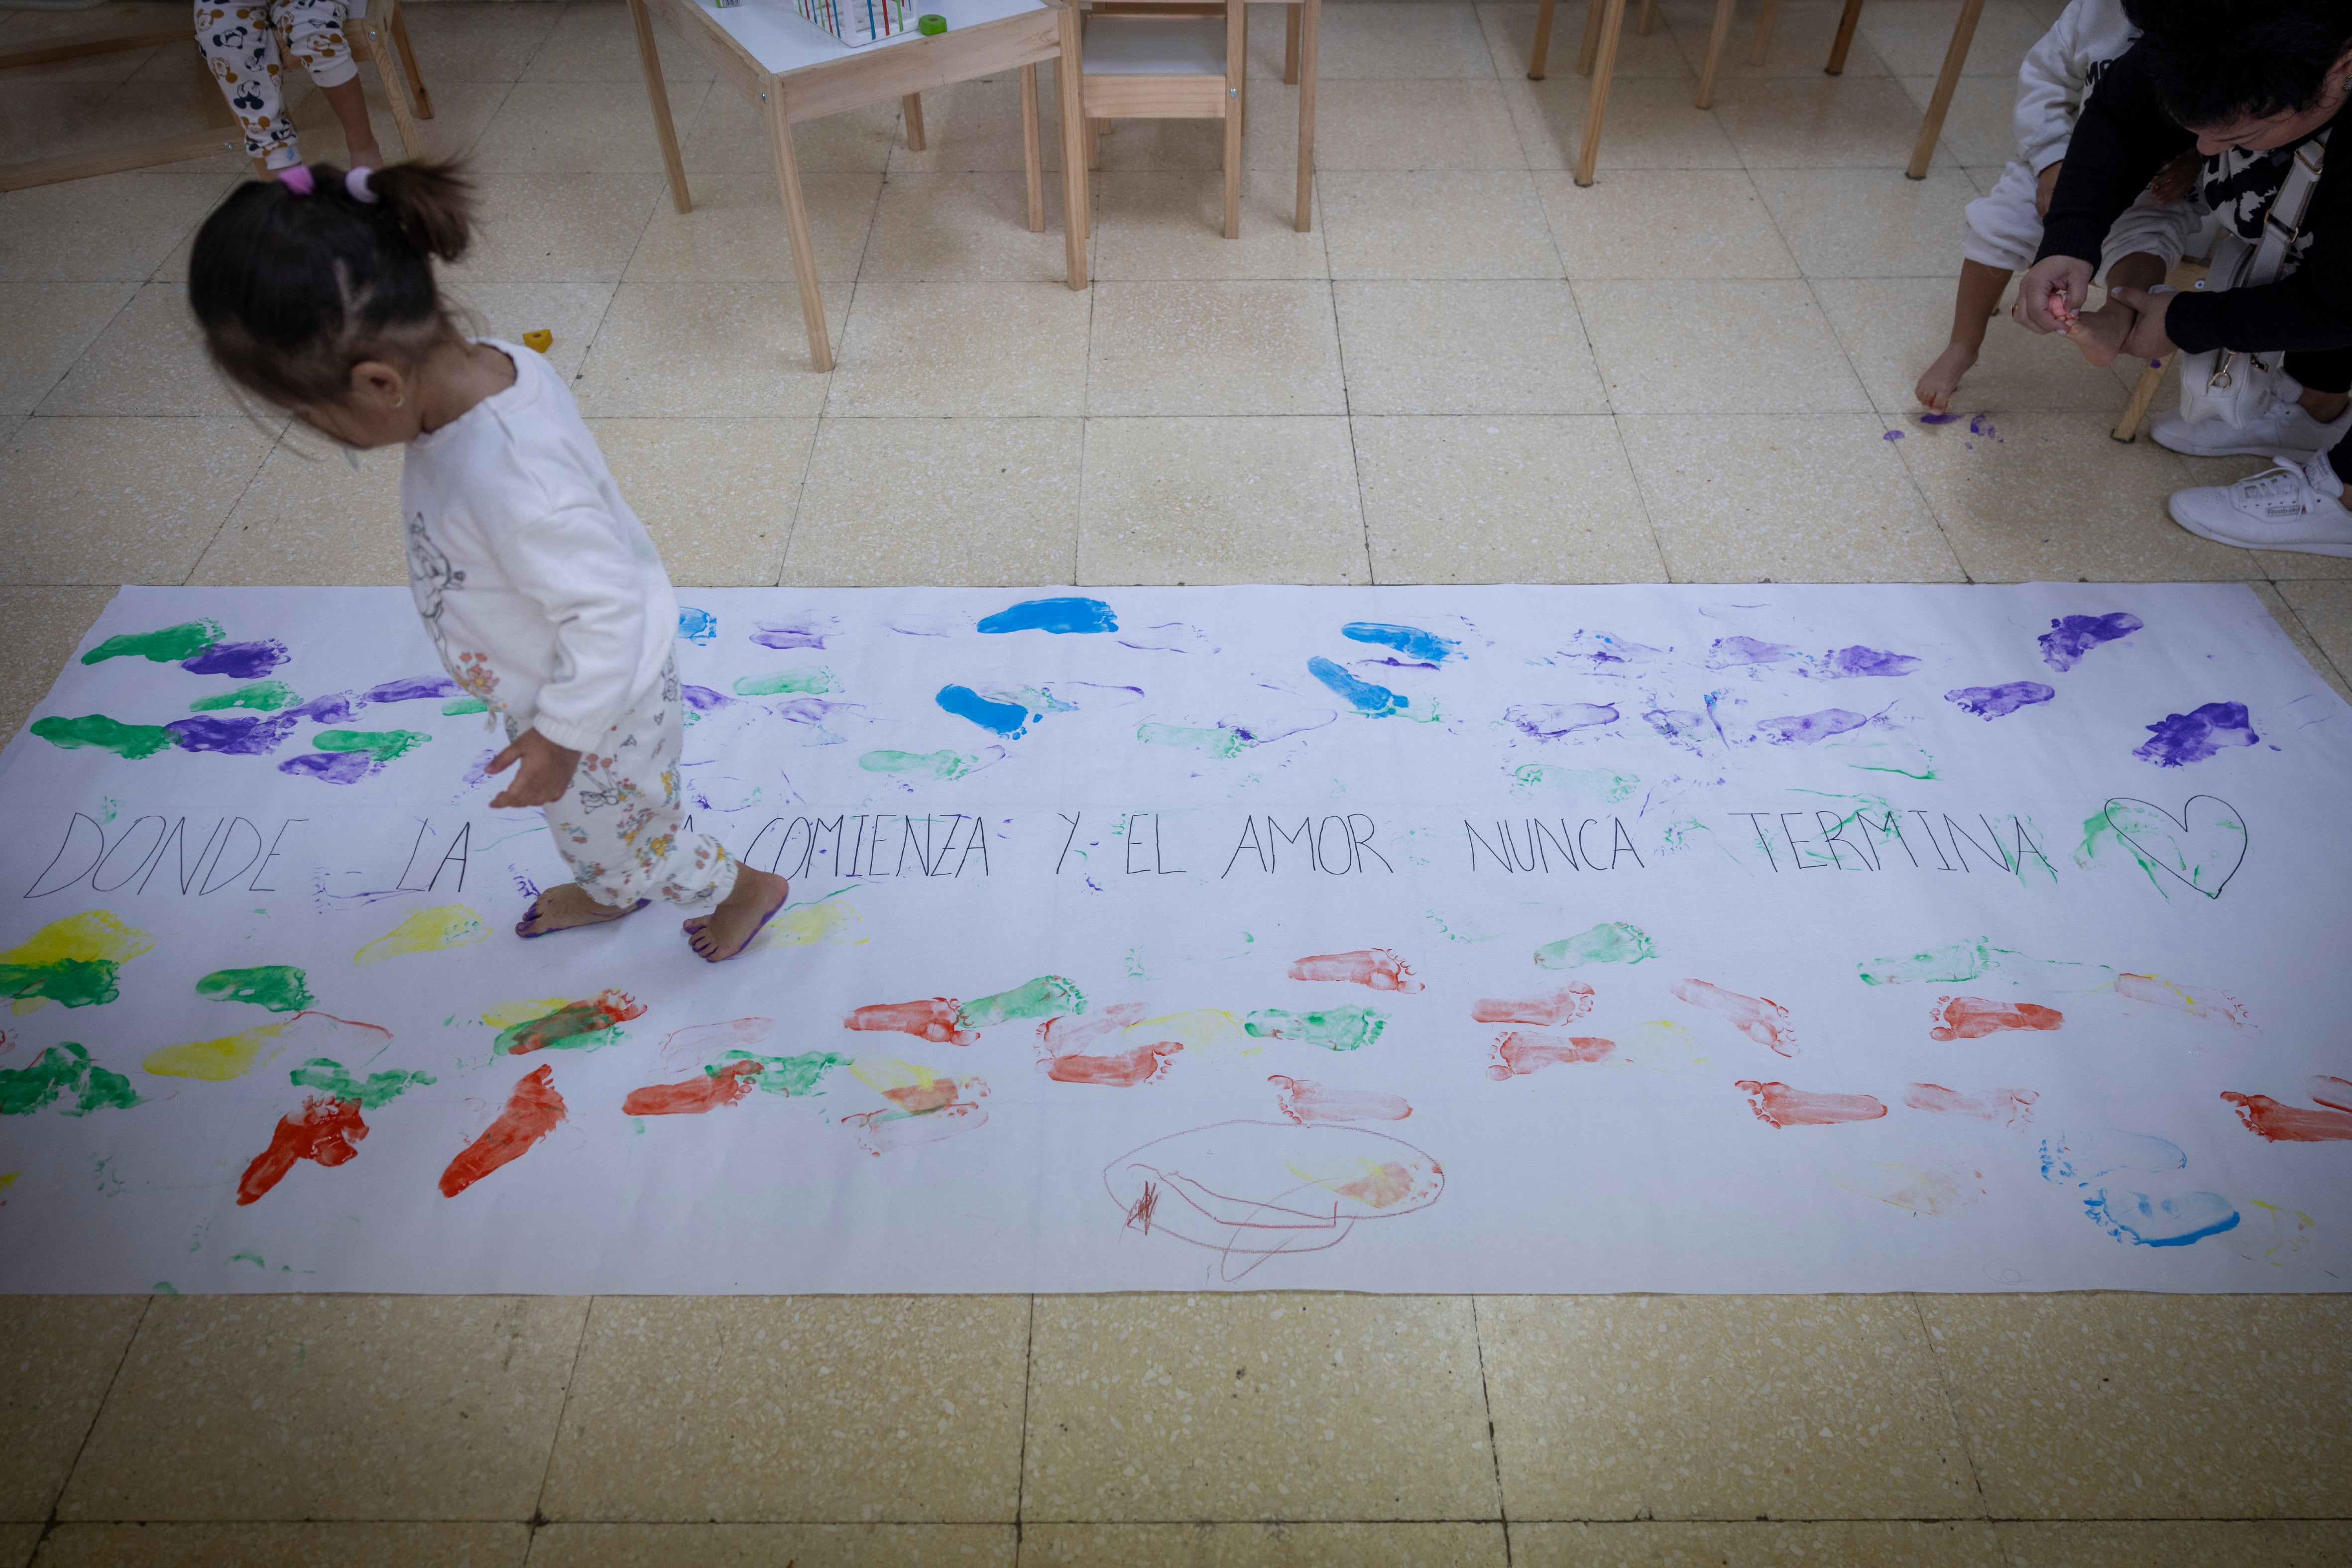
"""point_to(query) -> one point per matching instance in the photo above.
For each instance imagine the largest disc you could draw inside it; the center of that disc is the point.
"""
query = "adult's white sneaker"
(2294, 506)
(2285, 431)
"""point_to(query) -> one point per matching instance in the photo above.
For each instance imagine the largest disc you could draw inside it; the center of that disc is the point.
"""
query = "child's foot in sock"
(1943, 378)
(750, 904)
(2100, 334)
(561, 908)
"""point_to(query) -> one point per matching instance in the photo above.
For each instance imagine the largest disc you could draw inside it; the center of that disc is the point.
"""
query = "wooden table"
(790, 70)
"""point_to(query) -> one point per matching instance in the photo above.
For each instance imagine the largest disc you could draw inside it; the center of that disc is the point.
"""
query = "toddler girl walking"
(542, 589)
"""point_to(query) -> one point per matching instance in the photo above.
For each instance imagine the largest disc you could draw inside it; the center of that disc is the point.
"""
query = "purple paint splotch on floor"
(2185, 737)
(1811, 727)
(336, 709)
(1939, 418)
(413, 688)
(781, 635)
(242, 735)
(1892, 436)
(1732, 652)
(1998, 702)
(2071, 636)
(330, 767)
(1549, 721)
(1842, 663)
(238, 661)
(702, 699)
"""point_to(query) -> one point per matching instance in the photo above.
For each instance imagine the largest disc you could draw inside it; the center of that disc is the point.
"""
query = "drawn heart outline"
(2159, 825)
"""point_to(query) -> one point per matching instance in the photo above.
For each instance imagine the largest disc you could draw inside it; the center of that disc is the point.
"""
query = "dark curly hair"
(292, 291)
(2215, 61)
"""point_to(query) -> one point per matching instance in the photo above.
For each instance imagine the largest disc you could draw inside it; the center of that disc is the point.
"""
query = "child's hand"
(2176, 179)
(546, 773)
(2044, 187)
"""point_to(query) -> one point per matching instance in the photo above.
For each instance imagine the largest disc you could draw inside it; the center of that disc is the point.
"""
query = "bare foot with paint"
(563, 908)
(750, 904)
(1942, 378)
(2100, 334)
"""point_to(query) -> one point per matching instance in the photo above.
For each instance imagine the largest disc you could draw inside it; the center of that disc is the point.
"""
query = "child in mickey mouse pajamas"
(248, 48)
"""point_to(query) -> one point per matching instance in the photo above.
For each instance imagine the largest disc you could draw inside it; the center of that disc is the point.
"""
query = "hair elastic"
(356, 183)
(298, 179)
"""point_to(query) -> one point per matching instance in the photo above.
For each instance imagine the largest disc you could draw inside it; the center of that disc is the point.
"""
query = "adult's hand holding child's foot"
(2148, 339)
(2061, 280)
(566, 907)
(748, 907)
(2102, 334)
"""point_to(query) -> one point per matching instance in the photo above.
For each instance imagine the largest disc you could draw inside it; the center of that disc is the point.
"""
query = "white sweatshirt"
(542, 590)
(2059, 72)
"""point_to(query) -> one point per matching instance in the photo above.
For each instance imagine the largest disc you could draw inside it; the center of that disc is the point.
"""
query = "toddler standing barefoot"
(541, 588)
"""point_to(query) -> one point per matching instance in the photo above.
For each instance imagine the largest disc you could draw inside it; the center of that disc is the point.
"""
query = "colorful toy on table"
(856, 22)
(931, 25)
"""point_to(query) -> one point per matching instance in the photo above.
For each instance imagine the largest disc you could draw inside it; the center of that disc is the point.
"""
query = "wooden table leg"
(1648, 24)
(1612, 23)
(2128, 428)
(1591, 46)
(1032, 157)
(1964, 33)
(367, 40)
(1290, 46)
(399, 31)
(1770, 13)
(796, 228)
(1310, 41)
(912, 106)
(1717, 40)
(1844, 40)
(657, 98)
(1236, 64)
(1075, 216)
(1538, 55)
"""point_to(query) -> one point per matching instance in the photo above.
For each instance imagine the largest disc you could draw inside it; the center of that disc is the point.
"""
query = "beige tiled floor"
(1468, 371)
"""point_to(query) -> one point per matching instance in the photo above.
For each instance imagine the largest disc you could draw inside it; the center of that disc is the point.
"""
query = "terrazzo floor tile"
(27, 30)
(49, 324)
(1440, 124)
(309, 517)
(1491, 499)
(462, 110)
(1502, 347)
(2204, 1543)
(2049, 495)
(736, 231)
(1161, 225)
(353, 1407)
(717, 495)
(149, 358)
(481, 40)
(1380, 42)
(594, 41)
(16, 1543)
(2305, 643)
(1980, 126)
(142, 497)
(1894, 327)
(971, 502)
(973, 127)
(2119, 1406)
(1869, 223)
(1477, 224)
(285, 1545)
(1717, 346)
(768, 1545)
(571, 311)
(844, 1409)
(1914, 35)
(1784, 500)
(571, 228)
(1220, 500)
(1511, 38)
(1802, 37)
(39, 111)
(2325, 611)
(114, 226)
(1868, 123)
(1255, 347)
(61, 1351)
(45, 626)
(1651, 123)
(727, 137)
(1664, 223)
(705, 350)
(1001, 348)
(1263, 1545)
(953, 228)
(1647, 1544)
(1719, 1408)
(555, 128)
(1277, 1406)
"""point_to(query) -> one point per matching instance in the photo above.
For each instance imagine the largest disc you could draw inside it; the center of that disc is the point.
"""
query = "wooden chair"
(1605, 19)
(374, 28)
(1169, 62)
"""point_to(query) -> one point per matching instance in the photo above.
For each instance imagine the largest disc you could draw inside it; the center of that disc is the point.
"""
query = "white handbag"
(2223, 385)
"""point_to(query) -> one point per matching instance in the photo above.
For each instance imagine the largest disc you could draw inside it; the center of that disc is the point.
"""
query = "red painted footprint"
(721, 1086)
(1973, 1018)
(1303, 1101)
(2279, 1124)
(1123, 1070)
(1518, 1054)
(1070, 1035)
(1781, 1106)
(2007, 1106)
(1379, 967)
(1557, 1010)
(324, 1130)
(531, 1112)
(2333, 1092)
(1760, 1019)
(933, 1018)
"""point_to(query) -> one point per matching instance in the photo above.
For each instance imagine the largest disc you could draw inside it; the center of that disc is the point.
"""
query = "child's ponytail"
(296, 280)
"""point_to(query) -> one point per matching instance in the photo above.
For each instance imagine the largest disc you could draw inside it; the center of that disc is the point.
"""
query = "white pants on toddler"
(248, 48)
(2004, 231)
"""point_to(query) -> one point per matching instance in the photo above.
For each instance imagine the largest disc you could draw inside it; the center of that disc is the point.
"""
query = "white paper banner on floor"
(1560, 939)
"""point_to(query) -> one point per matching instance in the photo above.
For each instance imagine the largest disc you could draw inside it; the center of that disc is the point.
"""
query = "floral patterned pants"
(249, 47)
(619, 828)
